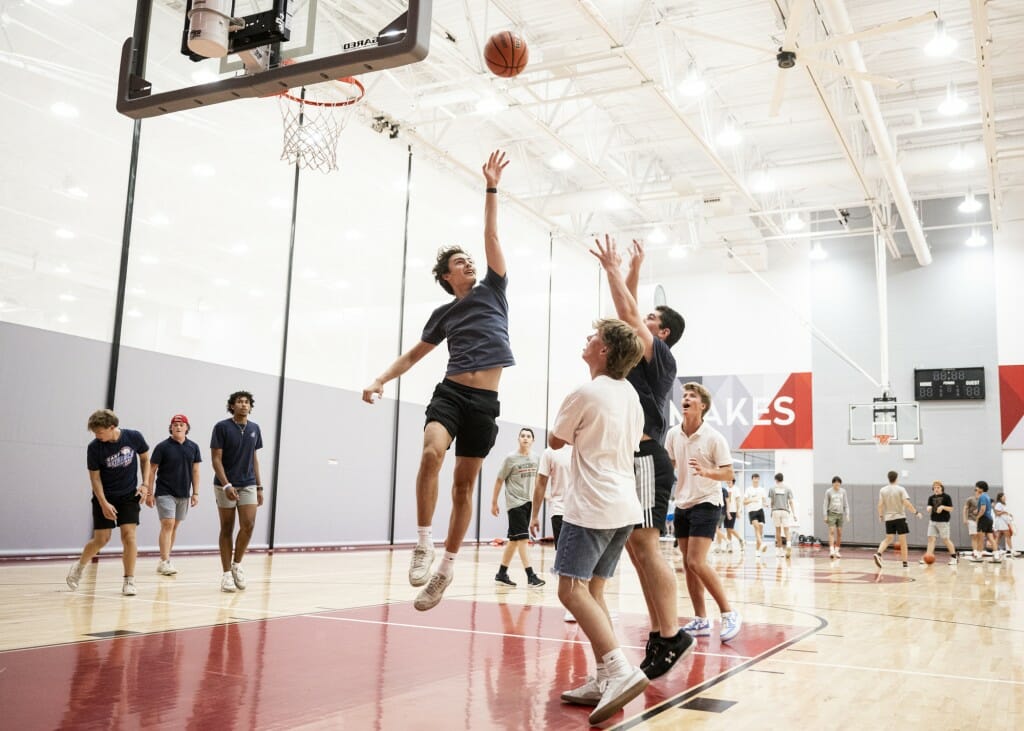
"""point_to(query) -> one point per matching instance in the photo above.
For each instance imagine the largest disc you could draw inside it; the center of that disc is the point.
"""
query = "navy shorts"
(757, 515)
(519, 522)
(984, 524)
(469, 414)
(700, 521)
(730, 523)
(896, 527)
(127, 507)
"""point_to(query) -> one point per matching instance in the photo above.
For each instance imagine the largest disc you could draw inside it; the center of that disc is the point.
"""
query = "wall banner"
(1011, 405)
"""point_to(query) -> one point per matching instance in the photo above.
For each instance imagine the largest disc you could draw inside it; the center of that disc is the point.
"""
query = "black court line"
(112, 633)
(770, 672)
(708, 705)
(793, 649)
(679, 700)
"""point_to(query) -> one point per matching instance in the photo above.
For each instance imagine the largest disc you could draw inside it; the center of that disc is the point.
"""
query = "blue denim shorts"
(700, 521)
(584, 553)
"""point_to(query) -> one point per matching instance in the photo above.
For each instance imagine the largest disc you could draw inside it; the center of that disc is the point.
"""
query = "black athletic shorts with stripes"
(654, 478)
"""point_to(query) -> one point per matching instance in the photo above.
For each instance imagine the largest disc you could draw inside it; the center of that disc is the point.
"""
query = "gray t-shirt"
(835, 500)
(476, 327)
(892, 497)
(518, 471)
(780, 496)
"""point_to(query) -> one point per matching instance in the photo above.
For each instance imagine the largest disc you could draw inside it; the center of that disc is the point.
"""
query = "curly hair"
(240, 394)
(444, 255)
(102, 419)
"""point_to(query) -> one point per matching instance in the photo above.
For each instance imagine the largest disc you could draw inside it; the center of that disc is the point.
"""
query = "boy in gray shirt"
(517, 474)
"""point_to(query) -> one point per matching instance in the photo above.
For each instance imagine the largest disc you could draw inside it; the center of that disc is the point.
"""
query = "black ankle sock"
(503, 570)
(529, 571)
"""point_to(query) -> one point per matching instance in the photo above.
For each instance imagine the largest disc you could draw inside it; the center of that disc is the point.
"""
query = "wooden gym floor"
(329, 640)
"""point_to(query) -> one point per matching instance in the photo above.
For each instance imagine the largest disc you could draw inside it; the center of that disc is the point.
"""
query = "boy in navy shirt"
(114, 458)
(176, 474)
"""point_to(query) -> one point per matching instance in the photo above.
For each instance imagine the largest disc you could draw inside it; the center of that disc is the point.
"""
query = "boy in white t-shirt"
(603, 420)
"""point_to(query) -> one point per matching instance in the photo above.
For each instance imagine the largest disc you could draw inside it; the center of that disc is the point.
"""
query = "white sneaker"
(731, 623)
(166, 568)
(953, 561)
(619, 691)
(430, 595)
(227, 582)
(238, 575)
(419, 567)
(75, 575)
(128, 587)
(697, 627)
(837, 555)
(588, 694)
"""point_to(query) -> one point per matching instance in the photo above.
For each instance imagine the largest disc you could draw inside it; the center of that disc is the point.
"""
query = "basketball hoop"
(313, 119)
(882, 442)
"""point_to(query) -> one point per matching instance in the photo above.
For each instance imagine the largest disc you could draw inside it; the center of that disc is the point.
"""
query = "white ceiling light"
(67, 297)
(489, 104)
(65, 110)
(64, 233)
(203, 170)
(795, 222)
(961, 161)
(134, 312)
(158, 219)
(975, 239)
(941, 44)
(75, 191)
(952, 104)
(692, 84)
(729, 136)
(817, 253)
(678, 251)
(615, 202)
(969, 204)
(62, 269)
(63, 318)
(657, 236)
(762, 182)
(561, 161)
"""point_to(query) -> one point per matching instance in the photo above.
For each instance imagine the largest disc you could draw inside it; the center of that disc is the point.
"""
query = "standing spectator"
(970, 518)
(755, 501)
(780, 497)
(1003, 525)
(836, 508)
(986, 520)
(892, 499)
(733, 509)
(940, 510)
(114, 459)
(517, 474)
(175, 474)
(237, 484)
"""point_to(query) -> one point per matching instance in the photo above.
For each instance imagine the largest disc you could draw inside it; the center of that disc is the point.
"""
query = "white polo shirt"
(555, 464)
(711, 450)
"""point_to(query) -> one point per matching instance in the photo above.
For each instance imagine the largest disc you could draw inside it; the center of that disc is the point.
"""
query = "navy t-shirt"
(653, 382)
(239, 444)
(476, 327)
(175, 462)
(117, 462)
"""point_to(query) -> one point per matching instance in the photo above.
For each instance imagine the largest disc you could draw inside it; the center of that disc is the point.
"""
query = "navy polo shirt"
(175, 462)
(117, 462)
(239, 444)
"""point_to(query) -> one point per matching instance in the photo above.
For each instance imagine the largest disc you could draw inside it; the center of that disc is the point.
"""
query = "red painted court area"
(465, 664)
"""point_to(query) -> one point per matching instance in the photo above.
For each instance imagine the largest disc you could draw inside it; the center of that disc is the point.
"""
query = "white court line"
(918, 673)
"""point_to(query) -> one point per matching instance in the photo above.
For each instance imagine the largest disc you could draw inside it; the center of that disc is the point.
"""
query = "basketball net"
(313, 119)
(882, 442)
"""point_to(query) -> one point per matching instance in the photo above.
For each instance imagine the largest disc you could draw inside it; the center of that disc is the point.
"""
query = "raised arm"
(403, 363)
(492, 170)
(625, 303)
(636, 260)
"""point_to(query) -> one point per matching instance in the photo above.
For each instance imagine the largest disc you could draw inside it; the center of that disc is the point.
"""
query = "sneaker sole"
(723, 638)
(878, 560)
(502, 583)
(706, 632)
(567, 697)
(604, 713)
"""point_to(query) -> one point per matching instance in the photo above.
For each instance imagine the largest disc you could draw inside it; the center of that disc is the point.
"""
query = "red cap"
(180, 417)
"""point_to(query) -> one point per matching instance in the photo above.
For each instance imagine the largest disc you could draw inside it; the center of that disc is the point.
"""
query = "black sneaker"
(878, 560)
(534, 580)
(666, 653)
(501, 579)
(652, 638)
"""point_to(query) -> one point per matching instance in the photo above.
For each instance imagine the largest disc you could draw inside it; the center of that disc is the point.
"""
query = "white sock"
(616, 663)
(602, 672)
(423, 533)
(447, 565)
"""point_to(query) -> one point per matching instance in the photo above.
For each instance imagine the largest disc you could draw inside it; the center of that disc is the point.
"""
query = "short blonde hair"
(103, 419)
(624, 346)
(705, 395)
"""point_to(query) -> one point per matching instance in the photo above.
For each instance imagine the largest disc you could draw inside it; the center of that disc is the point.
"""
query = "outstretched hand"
(494, 167)
(636, 253)
(607, 254)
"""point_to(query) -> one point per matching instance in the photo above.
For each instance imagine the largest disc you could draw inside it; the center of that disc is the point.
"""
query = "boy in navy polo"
(114, 458)
(176, 473)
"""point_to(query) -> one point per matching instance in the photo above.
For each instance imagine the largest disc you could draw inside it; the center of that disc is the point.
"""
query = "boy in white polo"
(603, 420)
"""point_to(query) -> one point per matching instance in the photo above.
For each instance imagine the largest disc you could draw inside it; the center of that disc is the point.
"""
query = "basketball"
(929, 558)
(506, 54)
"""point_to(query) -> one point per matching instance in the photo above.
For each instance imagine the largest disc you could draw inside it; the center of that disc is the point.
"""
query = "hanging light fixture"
(975, 239)
(692, 84)
(795, 222)
(969, 204)
(942, 44)
(817, 253)
(729, 136)
(952, 104)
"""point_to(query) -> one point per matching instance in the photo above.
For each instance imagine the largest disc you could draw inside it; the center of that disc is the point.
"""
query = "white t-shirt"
(735, 500)
(711, 450)
(555, 464)
(757, 497)
(892, 496)
(603, 421)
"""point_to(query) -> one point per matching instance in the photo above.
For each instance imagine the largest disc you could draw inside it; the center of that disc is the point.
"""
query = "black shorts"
(127, 507)
(984, 524)
(700, 521)
(556, 527)
(757, 515)
(469, 414)
(730, 523)
(519, 522)
(653, 471)
(896, 527)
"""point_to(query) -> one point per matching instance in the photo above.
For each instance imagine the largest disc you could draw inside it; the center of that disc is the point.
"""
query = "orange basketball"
(929, 558)
(506, 54)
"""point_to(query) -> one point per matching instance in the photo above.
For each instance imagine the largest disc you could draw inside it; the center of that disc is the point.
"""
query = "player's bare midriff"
(486, 379)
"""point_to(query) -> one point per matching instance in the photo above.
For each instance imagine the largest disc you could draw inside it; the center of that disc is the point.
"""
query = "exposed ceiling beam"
(982, 50)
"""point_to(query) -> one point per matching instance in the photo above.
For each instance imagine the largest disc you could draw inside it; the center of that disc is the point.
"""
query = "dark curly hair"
(240, 394)
(444, 254)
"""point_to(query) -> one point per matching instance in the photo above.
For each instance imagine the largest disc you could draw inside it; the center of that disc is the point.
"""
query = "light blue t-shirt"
(984, 501)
